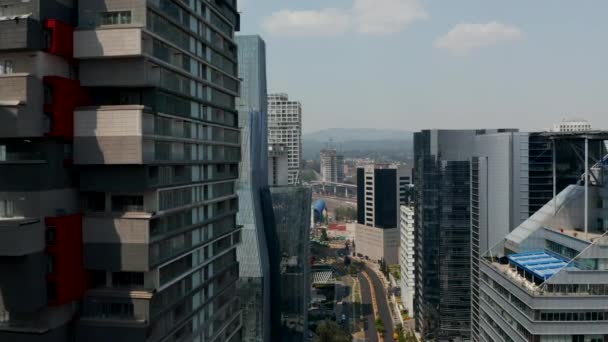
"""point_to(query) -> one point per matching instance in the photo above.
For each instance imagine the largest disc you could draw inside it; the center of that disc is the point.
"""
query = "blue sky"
(414, 64)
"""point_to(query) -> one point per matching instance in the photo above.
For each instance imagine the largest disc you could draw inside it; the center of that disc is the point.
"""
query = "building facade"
(499, 198)
(572, 126)
(42, 274)
(407, 282)
(378, 200)
(546, 281)
(278, 165)
(442, 227)
(149, 136)
(285, 128)
(332, 166)
(252, 253)
(290, 251)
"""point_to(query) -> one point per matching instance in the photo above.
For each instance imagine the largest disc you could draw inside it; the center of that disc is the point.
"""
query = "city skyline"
(524, 72)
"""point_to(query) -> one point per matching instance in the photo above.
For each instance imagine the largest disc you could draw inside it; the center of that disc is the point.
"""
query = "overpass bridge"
(335, 190)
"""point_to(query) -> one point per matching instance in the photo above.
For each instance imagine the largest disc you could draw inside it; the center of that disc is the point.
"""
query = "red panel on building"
(62, 97)
(60, 40)
(338, 227)
(65, 251)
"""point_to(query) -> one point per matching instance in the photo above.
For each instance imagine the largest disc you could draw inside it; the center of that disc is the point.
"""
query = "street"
(381, 300)
(367, 310)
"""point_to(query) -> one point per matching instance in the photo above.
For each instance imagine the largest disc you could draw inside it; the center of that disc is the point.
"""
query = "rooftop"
(540, 263)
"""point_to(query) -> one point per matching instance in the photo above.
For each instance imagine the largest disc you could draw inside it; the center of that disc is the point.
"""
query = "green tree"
(329, 331)
(380, 326)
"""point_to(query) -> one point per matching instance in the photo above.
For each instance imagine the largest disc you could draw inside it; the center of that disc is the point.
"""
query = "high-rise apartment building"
(442, 161)
(332, 166)
(148, 196)
(252, 253)
(290, 259)
(378, 200)
(546, 281)
(42, 276)
(285, 128)
(407, 281)
(278, 165)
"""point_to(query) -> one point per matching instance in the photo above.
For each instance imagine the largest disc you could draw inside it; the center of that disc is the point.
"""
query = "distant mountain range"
(381, 144)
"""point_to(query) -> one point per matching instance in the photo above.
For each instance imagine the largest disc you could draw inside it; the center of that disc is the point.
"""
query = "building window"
(2, 152)
(50, 264)
(127, 279)
(6, 208)
(94, 201)
(127, 203)
(115, 18)
(6, 67)
(50, 236)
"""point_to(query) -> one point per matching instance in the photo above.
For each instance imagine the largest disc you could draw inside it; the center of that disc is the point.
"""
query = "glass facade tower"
(254, 281)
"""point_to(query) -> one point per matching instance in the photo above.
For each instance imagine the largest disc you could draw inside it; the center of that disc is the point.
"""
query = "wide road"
(367, 310)
(383, 306)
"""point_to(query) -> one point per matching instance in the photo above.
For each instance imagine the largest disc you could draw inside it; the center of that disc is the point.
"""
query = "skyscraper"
(285, 128)
(378, 200)
(442, 225)
(499, 198)
(332, 166)
(407, 282)
(290, 258)
(147, 199)
(252, 254)
(546, 281)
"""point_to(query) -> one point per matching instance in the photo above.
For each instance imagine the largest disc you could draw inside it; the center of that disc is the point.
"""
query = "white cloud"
(327, 21)
(386, 16)
(365, 17)
(466, 37)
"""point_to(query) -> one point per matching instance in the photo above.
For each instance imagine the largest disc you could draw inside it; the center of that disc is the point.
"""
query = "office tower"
(278, 167)
(290, 255)
(252, 253)
(572, 125)
(332, 166)
(405, 184)
(42, 276)
(546, 281)
(158, 155)
(499, 198)
(285, 127)
(378, 199)
(407, 282)
(442, 226)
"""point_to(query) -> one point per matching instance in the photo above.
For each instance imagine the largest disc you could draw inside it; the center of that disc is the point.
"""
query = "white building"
(332, 166)
(285, 127)
(406, 258)
(278, 168)
(574, 125)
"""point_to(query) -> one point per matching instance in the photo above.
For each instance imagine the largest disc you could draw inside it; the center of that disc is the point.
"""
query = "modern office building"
(252, 253)
(290, 252)
(135, 166)
(278, 166)
(42, 276)
(442, 228)
(378, 200)
(407, 282)
(546, 281)
(332, 166)
(285, 128)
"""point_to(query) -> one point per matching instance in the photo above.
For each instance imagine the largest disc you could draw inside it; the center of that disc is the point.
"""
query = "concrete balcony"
(20, 34)
(108, 135)
(108, 43)
(19, 237)
(21, 105)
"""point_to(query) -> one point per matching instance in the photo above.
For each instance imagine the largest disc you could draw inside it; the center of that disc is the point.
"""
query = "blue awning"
(540, 263)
